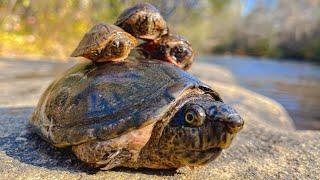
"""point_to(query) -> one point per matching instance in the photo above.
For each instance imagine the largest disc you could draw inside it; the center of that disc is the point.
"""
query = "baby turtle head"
(105, 42)
(118, 47)
(196, 134)
(172, 48)
(143, 21)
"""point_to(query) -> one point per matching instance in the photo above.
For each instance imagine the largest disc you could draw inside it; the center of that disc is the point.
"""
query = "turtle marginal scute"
(174, 91)
(207, 89)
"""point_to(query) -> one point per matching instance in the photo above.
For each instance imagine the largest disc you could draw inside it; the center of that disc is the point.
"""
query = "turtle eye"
(180, 49)
(195, 116)
(180, 52)
(190, 117)
(115, 44)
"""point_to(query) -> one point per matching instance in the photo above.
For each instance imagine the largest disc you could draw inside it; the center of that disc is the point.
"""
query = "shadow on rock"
(18, 142)
(148, 171)
(31, 149)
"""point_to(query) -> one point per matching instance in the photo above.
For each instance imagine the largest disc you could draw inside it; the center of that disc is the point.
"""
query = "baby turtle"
(172, 48)
(135, 114)
(105, 43)
(143, 21)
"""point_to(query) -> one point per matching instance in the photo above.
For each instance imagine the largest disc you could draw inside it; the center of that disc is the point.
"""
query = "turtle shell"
(96, 39)
(127, 13)
(91, 102)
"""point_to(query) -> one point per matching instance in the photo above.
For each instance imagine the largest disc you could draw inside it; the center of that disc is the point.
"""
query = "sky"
(248, 5)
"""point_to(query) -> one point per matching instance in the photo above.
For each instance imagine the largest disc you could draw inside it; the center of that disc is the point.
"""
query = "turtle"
(136, 114)
(171, 47)
(105, 42)
(143, 21)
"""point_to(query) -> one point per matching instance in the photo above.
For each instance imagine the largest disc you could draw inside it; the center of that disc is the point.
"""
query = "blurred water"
(295, 85)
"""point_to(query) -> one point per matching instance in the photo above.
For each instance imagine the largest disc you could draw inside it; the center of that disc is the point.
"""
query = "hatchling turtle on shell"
(135, 114)
(172, 48)
(105, 42)
(143, 21)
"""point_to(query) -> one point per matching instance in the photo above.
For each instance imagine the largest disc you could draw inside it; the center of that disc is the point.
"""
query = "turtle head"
(143, 21)
(171, 48)
(119, 46)
(197, 133)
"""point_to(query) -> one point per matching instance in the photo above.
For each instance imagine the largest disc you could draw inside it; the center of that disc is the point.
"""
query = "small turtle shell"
(96, 39)
(92, 102)
(125, 15)
(128, 20)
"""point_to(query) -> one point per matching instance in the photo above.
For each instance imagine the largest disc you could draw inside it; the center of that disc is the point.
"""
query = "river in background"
(295, 85)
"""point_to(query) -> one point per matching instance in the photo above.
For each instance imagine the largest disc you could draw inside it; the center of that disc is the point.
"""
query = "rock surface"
(267, 148)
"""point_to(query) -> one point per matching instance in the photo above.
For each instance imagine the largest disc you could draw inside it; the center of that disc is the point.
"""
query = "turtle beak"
(234, 123)
(226, 123)
(229, 117)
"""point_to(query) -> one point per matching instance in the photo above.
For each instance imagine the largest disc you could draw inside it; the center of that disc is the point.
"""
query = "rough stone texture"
(267, 148)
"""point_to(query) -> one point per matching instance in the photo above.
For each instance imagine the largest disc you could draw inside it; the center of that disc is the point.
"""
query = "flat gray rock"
(267, 148)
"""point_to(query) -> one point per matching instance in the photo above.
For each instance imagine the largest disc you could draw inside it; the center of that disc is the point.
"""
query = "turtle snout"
(228, 116)
(234, 123)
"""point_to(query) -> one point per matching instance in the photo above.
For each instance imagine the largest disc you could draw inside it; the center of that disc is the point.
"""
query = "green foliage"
(283, 31)
(53, 28)
(219, 5)
(312, 50)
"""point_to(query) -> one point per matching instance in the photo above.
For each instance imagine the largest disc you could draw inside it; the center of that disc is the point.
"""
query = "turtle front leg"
(102, 154)
(120, 151)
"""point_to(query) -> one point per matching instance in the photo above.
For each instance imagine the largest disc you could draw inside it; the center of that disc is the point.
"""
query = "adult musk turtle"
(143, 21)
(135, 114)
(172, 48)
(105, 42)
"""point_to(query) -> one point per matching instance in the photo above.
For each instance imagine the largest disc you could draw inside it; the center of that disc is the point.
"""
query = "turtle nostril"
(235, 123)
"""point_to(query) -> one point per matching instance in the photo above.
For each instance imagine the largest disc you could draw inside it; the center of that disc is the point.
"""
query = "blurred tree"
(283, 28)
(53, 28)
(275, 28)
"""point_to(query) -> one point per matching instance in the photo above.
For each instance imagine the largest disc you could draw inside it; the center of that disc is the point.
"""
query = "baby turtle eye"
(180, 52)
(195, 115)
(115, 44)
(180, 49)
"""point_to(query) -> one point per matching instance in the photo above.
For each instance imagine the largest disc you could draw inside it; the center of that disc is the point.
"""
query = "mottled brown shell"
(126, 14)
(135, 21)
(92, 102)
(96, 39)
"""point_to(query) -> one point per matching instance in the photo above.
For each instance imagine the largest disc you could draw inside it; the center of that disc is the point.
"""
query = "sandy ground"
(267, 148)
